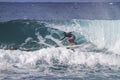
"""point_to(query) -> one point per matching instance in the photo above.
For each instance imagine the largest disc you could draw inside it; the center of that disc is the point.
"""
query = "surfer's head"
(64, 33)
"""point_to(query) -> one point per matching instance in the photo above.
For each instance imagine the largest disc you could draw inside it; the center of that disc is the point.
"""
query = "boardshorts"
(71, 39)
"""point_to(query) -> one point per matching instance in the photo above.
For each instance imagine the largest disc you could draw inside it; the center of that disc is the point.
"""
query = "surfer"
(70, 38)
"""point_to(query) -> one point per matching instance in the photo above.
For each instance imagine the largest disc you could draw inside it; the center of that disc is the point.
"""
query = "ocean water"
(30, 49)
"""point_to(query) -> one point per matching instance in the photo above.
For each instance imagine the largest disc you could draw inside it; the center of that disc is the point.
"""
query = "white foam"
(61, 54)
(102, 33)
(42, 40)
(58, 42)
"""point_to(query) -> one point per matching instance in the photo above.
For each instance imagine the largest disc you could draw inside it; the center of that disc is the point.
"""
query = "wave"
(34, 47)
(29, 34)
(24, 33)
(34, 34)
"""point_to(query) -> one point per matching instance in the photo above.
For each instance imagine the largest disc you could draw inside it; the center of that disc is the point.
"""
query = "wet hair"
(64, 33)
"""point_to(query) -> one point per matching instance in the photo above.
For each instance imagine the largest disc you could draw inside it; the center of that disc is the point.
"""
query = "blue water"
(30, 47)
(48, 11)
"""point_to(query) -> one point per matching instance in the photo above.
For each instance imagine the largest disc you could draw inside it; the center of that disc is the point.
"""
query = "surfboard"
(73, 47)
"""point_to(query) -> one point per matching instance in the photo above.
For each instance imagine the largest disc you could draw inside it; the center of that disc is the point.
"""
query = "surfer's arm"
(62, 38)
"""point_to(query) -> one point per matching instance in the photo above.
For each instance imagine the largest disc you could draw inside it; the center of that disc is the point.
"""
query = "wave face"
(32, 49)
(32, 35)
